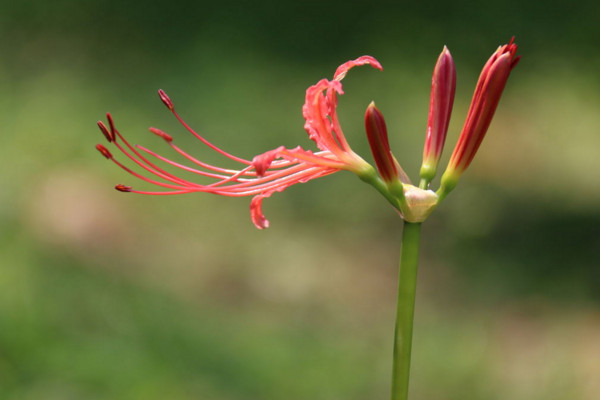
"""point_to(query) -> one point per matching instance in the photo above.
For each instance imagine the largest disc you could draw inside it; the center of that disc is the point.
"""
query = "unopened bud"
(443, 87)
(378, 141)
(483, 105)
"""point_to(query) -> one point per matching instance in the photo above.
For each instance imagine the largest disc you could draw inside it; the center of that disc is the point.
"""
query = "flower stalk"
(405, 309)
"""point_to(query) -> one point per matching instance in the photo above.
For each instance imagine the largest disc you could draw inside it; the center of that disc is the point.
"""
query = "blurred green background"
(105, 295)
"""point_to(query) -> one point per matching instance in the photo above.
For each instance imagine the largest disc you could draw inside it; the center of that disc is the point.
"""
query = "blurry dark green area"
(299, 30)
(105, 295)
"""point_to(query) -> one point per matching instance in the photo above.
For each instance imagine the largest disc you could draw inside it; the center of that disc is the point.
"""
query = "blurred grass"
(110, 296)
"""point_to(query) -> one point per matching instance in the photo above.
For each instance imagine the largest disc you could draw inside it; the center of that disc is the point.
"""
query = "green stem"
(396, 199)
(407, 284)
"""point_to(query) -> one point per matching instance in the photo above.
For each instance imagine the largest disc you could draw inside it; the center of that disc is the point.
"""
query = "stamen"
(165, 99)
(111, 123)
(150, 167)
(161, 193)
(109, 136)
(185, 167)
(153, 169)
(205, 165)
(149, 180)
(285, 178)
(233, 178)
(161, 134)
(104, 151)
(207, 143)
(123, 188)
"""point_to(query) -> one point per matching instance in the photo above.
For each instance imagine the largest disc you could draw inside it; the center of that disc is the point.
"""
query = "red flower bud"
(378, 141)
(443, 86)
(483, 105)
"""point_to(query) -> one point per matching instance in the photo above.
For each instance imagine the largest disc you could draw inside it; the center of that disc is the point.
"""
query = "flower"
(483, 105)
(267, 173)
(280, 168)
(443, 86)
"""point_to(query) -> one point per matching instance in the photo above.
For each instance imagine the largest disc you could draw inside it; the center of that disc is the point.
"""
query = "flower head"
(280, 168)
(267, 173)
(483, 105)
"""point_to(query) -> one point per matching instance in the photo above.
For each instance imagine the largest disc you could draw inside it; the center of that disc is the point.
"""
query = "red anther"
(111, 123)
(162, 134)
(104, 151)
(165, 99)
(109, 136)
(123, 188)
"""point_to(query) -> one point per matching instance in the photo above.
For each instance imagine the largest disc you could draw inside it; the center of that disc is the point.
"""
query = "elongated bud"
(378, 141)
(165, 99)
(443, 87)
(483, 105)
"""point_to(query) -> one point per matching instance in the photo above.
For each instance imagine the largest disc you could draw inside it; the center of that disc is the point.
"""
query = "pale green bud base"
(414, 204)
(448, 183)
(419, 203)
(427, 174)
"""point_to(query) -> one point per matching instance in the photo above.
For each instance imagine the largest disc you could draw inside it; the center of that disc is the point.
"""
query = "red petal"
(262, 162)
(343, 69)
(258, 219)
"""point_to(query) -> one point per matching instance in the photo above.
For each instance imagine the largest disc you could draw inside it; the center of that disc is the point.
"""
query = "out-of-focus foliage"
(105, 295)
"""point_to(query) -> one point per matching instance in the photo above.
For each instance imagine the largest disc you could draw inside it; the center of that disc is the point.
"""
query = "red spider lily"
(443, 87)
(265, 174)
(483, 105)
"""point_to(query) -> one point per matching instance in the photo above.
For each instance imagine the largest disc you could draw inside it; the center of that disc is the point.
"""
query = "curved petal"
(343, 69)
(258, 219)
(317, 112)
(262, 162)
